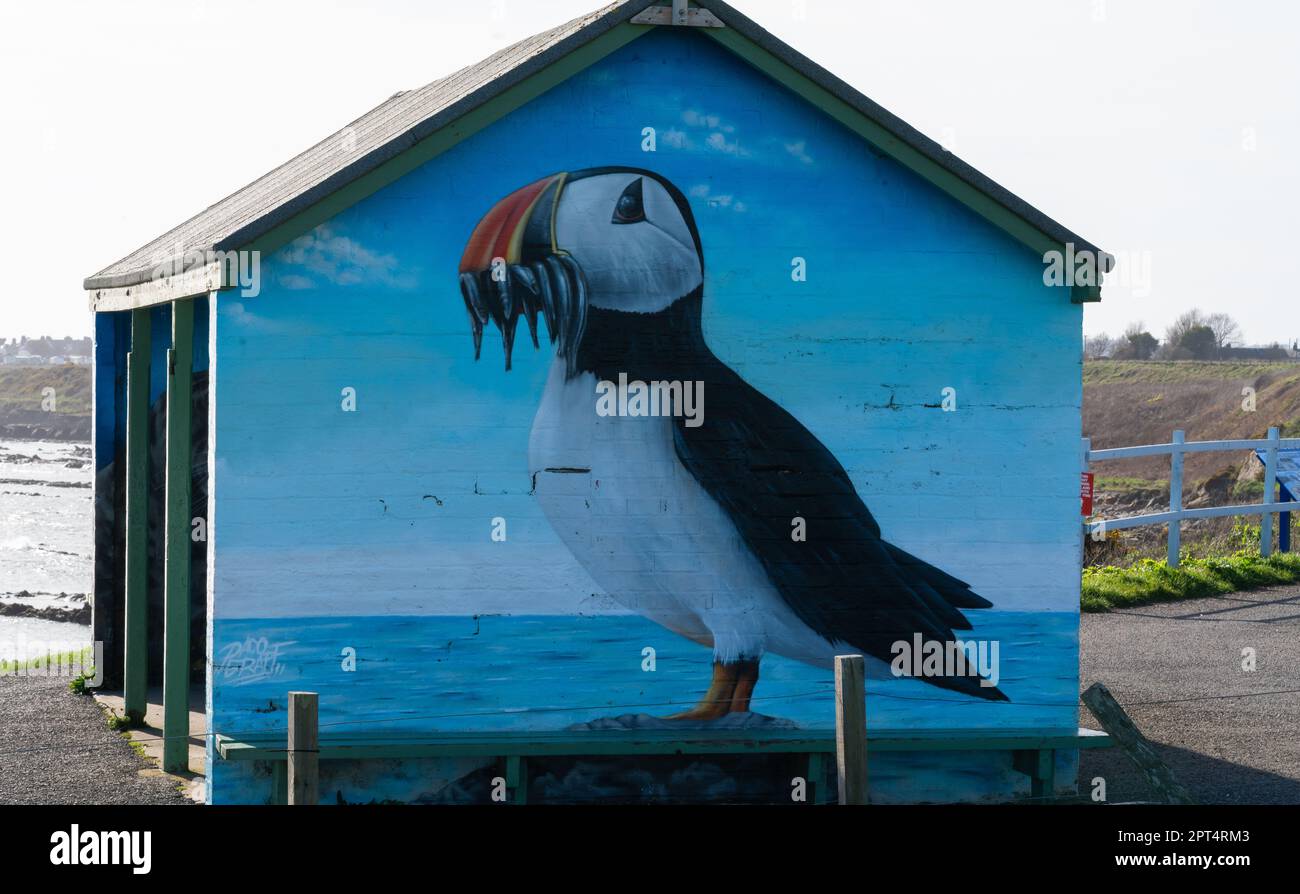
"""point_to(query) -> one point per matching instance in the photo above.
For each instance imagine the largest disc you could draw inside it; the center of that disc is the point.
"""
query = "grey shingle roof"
(405, 118)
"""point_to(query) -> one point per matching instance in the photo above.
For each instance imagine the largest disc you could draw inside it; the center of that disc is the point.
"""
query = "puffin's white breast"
(615, 492)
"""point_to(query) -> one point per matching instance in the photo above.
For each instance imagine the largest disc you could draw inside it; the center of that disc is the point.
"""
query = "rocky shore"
(73, 608)
(41, 426)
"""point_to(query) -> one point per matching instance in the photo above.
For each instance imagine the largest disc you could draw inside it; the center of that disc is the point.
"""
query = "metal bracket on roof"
(679, 14)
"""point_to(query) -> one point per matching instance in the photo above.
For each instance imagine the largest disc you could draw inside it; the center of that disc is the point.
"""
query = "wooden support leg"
(815, 774)
(280, 782)
(1040, 766)
(136, 615)
(1046, 773)
(516, 779)
(176, 592)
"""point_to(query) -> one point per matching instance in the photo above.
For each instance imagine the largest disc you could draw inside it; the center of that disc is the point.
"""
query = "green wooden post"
(134, 675)
(176, 595)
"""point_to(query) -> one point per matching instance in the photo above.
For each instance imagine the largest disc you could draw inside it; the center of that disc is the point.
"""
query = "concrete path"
(56, 748)
(1228, 734)
(149, 735)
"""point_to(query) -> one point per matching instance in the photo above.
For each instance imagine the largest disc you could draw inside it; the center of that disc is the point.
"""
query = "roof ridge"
(166, 243)
(408, 117)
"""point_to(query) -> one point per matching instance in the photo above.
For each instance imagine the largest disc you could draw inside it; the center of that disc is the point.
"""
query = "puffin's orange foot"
(746, 680)
(730, 691)
(702, 712)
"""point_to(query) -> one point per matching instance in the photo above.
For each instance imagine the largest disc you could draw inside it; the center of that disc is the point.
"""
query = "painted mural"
(668, 489)
(612, 260)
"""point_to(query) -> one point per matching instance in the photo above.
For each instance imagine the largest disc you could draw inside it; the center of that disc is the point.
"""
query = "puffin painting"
(690, 523)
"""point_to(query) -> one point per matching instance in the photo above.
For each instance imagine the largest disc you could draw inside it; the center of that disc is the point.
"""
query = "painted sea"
(493, 673)
(546, 672)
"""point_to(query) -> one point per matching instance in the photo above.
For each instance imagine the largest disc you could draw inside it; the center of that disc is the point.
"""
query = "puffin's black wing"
(846, 583)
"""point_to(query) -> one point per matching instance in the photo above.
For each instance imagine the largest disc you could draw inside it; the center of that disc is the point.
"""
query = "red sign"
(1085, 492)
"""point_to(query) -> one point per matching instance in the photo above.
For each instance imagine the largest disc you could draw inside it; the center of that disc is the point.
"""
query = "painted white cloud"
(799, 151)
(698, 119)
(718, 141)
(704, 193)
(325, 254)
(707, 132)
(675, 138)
(238, 314)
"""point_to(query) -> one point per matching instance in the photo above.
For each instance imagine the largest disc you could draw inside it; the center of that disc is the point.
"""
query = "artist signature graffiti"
(250, 661)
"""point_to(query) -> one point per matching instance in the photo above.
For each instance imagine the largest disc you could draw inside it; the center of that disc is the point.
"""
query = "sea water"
(548, 672)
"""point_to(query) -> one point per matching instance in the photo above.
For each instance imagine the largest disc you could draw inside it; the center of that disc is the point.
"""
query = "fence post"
(851, 728)
(1085, 446)
(304, 749)
(1176, 497)
(1270, 487)
(1284, 520)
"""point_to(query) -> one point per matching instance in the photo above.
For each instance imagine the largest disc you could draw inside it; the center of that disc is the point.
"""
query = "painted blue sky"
(438, 445)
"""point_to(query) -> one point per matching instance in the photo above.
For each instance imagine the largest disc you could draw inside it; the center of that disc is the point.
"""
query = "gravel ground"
(1223, 735)
(56, 748)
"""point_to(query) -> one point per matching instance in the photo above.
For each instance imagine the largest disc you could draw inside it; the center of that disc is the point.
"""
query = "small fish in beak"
(512, 268)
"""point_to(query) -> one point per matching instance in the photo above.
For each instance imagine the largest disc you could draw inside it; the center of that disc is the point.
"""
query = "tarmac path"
(1232, 736)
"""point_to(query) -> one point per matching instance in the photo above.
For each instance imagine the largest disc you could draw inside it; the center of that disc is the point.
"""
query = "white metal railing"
(1177, 514)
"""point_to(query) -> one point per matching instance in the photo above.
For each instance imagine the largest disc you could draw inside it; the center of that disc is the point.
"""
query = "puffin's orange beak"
(501, 232)
(512, 268)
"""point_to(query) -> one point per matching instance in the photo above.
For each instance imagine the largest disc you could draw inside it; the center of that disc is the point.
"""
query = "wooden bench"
(1033, 751)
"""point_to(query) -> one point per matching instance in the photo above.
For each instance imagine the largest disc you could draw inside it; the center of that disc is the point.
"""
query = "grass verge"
(53, 664)
(1147, 581)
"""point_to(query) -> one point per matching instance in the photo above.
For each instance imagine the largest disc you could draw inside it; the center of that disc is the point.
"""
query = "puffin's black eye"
(629, 208)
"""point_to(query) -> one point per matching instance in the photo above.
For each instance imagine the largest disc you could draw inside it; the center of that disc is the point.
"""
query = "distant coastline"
(26, 396)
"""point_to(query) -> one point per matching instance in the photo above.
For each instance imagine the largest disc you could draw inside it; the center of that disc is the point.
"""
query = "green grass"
(1104, 372)
(1147, 581)
(78, 684)
(55, 661)
(21, 387)
(1119, 484)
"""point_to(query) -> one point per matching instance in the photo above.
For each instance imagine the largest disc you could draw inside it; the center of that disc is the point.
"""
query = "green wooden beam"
(440, 141)
(136, 633)
(396, 745)
(1085, 294)
(176, 594)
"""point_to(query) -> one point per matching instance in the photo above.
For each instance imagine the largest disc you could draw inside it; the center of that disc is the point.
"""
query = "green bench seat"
(1033, 751)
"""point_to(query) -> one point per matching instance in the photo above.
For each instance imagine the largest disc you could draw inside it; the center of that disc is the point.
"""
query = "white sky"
(1166, 131)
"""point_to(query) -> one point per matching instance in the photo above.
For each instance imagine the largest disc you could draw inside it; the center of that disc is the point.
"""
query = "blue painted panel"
(160, 341)
(112, 340)
(368, 531)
